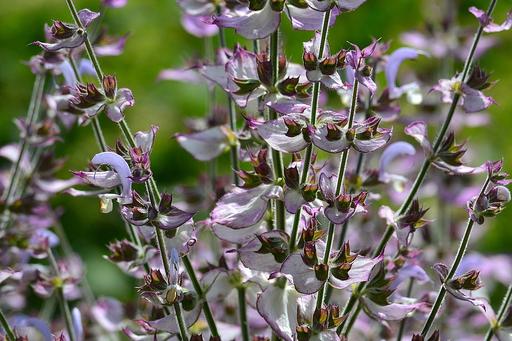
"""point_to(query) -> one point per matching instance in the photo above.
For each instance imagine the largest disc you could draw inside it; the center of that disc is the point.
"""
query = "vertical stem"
(426, 164)
(233, 149)
(309, 150)
(7, 327)
(277, 161)
(181, 322)
(501, 314)
(339, 185)
(60, 296)
(199, 290)
(244, 325)
(33, 109)
(461, 251)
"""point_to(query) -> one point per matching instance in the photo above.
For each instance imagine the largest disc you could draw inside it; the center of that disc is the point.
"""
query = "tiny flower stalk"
(426, 164)
(7, 327)
(277, 160)
(502, 314)
(234, 148)
(453, 268)
(339, 185)
(32, 113)
(242, 308)
(314, 108)
(60, 296)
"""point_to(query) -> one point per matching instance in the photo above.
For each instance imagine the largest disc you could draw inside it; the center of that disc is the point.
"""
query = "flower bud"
(367, 71)
(303, 332)
(350, 134)
(122, 251)
(294, 128)
(189, 300)
(320, 318)
(256, 5)
(321, 271)
(60, 30)
(309, 256)
(499, 194)
(333, 132)
(309, 60)
(292, 177)
(287, 86)
(155, 280)
(328, 65)
(110, 86)
(196, 337)
(468, 281)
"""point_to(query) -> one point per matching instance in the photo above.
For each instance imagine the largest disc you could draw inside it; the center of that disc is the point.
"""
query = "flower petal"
(275, 134)
(360, 272)
(278, 306)
(122, 169)
(244, 207)
(304, 278)
(205, 145)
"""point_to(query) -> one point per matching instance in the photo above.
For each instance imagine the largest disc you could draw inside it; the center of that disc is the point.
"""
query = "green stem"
(277, 161)
(199, 290)
(60, 296)
(242, 307)
(426, 164)
(33, 110)
(501, 314)
(309, 150)
(461, 251)
(7, 327)
(233, 149)
(181, 322)
(339, 185)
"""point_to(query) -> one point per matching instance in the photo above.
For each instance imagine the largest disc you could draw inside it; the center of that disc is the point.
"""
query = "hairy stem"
(339, 185)
(277, 160)
(426, 164)
(199, 290)
(461, 251)
(60, 296)
(7, 327)
(32, 113)
(242, 308)
(234, 148)
(505, 304)
(309, 150)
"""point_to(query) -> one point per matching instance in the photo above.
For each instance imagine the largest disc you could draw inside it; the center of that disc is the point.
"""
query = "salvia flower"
(119, 175)
(322, 68)
(487, 23)
(309, 273)
(342, 207)
(458, 285)
(262, 17)
(471, 100)
(449, 156)
(393, 63)
(111, 100)
(166, 216)
(488, 204)
(331, 134)
(355, 59)
(64, 35)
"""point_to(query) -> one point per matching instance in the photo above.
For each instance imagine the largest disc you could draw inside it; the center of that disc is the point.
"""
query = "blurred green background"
(158, 41)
